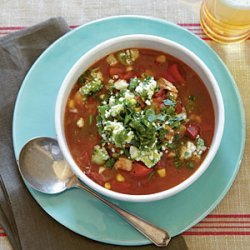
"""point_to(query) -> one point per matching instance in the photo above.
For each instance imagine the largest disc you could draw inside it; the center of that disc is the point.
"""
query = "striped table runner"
(228, 227)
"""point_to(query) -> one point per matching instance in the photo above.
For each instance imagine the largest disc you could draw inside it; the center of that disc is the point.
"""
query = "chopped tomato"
(129, 75)
(175, 73)
(116, 71)
(140, 101)
(178, 108)
(192, 131)
(140, 170)
(160, 93)
(169, 77)
(158, 99)
(120, 186)
(96, 177)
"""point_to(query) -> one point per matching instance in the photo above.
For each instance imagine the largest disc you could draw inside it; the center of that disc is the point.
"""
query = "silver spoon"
(44, 168)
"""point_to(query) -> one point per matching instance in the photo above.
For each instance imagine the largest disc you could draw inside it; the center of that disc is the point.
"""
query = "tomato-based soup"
(139, 121)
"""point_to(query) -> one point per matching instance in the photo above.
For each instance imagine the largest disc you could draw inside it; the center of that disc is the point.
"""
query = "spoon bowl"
(43, 167)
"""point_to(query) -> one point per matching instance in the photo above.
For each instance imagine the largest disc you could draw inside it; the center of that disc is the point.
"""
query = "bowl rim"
(59, 115)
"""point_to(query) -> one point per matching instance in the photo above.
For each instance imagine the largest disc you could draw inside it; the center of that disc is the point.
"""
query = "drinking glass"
(226, 21)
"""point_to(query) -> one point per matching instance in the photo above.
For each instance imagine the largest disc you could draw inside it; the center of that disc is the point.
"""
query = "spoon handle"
(157, 235)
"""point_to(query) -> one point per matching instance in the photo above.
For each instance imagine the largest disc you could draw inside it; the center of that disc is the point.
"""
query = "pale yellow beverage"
(226, 21)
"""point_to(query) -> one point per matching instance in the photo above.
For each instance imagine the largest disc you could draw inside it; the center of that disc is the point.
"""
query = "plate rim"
(235, 88)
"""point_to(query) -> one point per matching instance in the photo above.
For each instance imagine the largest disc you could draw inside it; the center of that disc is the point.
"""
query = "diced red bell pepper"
(120, 186)
(192, 131)
(160, 93)
(140, 170)
(96, 177)
(158, 100)
(116, 71)
(169, 77)
(178, 108)
(128, 75)
(174, 71)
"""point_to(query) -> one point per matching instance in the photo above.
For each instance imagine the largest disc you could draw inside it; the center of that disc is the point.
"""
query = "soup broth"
(139, 121)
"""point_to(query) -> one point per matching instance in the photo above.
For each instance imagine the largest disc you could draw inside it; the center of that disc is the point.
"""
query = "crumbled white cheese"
(146, 87)
(121, 84)
(116, 109)
(130, 136)
(182, 116)
(128, 95)
(112, 100)
(187, 150)
(80, 122)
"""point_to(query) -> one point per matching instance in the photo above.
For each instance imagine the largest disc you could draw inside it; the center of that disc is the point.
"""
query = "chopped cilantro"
(191, 103)
(90, 119)
(120, 123)
(83, 77)
(91, 81)
(169, 102)
(190, 165)
(192, 98)
(177, 162)
(200, 142)
(110, 162)
(134, 82)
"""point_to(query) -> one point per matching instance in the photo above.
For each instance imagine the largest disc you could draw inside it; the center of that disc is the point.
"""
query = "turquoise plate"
(75, 209)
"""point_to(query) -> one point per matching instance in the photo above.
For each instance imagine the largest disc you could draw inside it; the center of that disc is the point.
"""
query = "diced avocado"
(148, 157)
(134, 152)
(127, 57)
(134, 54)
(128, 95)
(119, 135)
(111, 60)
(100, 155)
(91, 87)
(93, 83)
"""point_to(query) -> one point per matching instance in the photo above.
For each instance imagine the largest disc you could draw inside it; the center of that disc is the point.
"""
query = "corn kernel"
(120, 178)
(101, 170)
(161, 172)
(129, 68)
(171, 154)
(71, 104)
(107, 185)
(149, 72)
(161, 59)
(102, 96)
(78, 98)
(195, 118)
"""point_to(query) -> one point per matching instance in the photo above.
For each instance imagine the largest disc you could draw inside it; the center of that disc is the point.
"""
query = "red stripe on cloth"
(189, 24)
(3, 234)
(222, 221)
(228, 216)
(76, 25)
(216, 233)
(202, 227)
(12, 27)
(23, 27)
